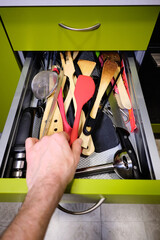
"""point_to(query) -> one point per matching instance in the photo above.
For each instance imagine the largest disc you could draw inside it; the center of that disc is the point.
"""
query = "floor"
(108, 222)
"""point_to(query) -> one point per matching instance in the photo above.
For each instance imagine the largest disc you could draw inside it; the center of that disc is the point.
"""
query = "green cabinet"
(122, 28)
(9, 75)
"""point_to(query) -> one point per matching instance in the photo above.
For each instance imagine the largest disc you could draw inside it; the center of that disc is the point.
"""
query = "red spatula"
(84, 90)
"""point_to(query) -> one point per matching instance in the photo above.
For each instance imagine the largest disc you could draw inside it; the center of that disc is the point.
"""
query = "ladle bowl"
(123, 165)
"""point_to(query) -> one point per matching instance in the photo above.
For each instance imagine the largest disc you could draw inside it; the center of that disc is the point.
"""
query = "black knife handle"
(127, 145)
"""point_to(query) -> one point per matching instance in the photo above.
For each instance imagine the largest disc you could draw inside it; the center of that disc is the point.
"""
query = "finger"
(66, 135)
(76, 149)
(30, 142)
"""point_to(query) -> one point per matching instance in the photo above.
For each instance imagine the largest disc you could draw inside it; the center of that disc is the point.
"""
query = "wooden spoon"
(84, 90)
(108, 72)
(123, 95)
(46, 112)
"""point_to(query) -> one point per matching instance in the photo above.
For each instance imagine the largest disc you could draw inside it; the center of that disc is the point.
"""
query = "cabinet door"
(9, 75)
(122, 28)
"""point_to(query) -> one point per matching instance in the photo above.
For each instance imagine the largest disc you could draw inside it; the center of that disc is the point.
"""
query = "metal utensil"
(122, 166)
(44, 83)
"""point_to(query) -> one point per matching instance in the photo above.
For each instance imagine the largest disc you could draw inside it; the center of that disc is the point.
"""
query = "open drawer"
(113, 190)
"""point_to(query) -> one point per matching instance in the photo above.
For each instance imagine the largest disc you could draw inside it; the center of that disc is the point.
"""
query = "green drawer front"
(9, 76)
(122, 28)
(115, 191)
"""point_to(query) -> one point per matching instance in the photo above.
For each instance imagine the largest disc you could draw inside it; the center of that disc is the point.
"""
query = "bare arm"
(51, 165)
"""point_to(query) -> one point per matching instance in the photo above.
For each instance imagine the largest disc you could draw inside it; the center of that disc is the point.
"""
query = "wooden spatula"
(108, 72)
(45, 115)
(124, 98)
(56, 124)
(87, 68)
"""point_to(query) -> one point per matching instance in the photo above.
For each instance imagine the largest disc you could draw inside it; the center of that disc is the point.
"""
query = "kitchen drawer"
(113, 190)
(122, 28)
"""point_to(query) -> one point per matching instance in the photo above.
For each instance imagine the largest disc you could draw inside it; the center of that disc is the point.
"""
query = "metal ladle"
(44, 83)
(122, 166)
(125, 162)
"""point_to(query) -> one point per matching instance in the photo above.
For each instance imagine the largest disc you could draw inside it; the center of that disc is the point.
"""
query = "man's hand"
(51, 164)
(51, 159)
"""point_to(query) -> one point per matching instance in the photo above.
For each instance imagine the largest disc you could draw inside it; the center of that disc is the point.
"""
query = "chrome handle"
(96, 26)
(82, 212)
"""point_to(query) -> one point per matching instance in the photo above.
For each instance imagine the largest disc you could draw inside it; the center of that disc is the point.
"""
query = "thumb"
(30, 142)
(76, 149)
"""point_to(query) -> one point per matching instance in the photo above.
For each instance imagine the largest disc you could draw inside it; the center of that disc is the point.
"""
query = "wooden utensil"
(123, 95)
(45, 115)
(86, 68)
(69, 71)
(108, 72)
(84, 90)
(66, 127)
(124, 98)
(54, 121)
(57, 120)
(118, 99)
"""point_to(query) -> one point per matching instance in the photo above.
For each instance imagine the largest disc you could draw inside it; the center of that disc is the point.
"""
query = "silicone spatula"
(84, 90)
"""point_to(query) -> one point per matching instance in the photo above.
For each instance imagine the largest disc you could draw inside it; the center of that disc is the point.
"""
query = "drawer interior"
(12, 154)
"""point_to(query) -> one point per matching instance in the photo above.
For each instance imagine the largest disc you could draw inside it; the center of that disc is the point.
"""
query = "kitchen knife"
(123, 135)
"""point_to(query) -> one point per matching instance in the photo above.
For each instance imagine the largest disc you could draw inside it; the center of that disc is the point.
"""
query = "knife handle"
(127, 145)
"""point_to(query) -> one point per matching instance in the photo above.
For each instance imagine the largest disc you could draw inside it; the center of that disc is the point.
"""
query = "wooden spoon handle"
(45, 115)
(122, 91)
(87, 144)
(108, 72)
(56, 123)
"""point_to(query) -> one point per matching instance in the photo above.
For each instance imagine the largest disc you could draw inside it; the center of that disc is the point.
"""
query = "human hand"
(51, 160)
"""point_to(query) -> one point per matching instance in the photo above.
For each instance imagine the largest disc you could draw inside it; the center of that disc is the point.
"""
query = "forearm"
(34, 216)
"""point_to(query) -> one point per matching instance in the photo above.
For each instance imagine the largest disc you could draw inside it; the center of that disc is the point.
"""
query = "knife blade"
(52, 108)
(113, 111)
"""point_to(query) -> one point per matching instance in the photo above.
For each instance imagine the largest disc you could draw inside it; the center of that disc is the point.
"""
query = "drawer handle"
(98, 204)
(96, 26)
